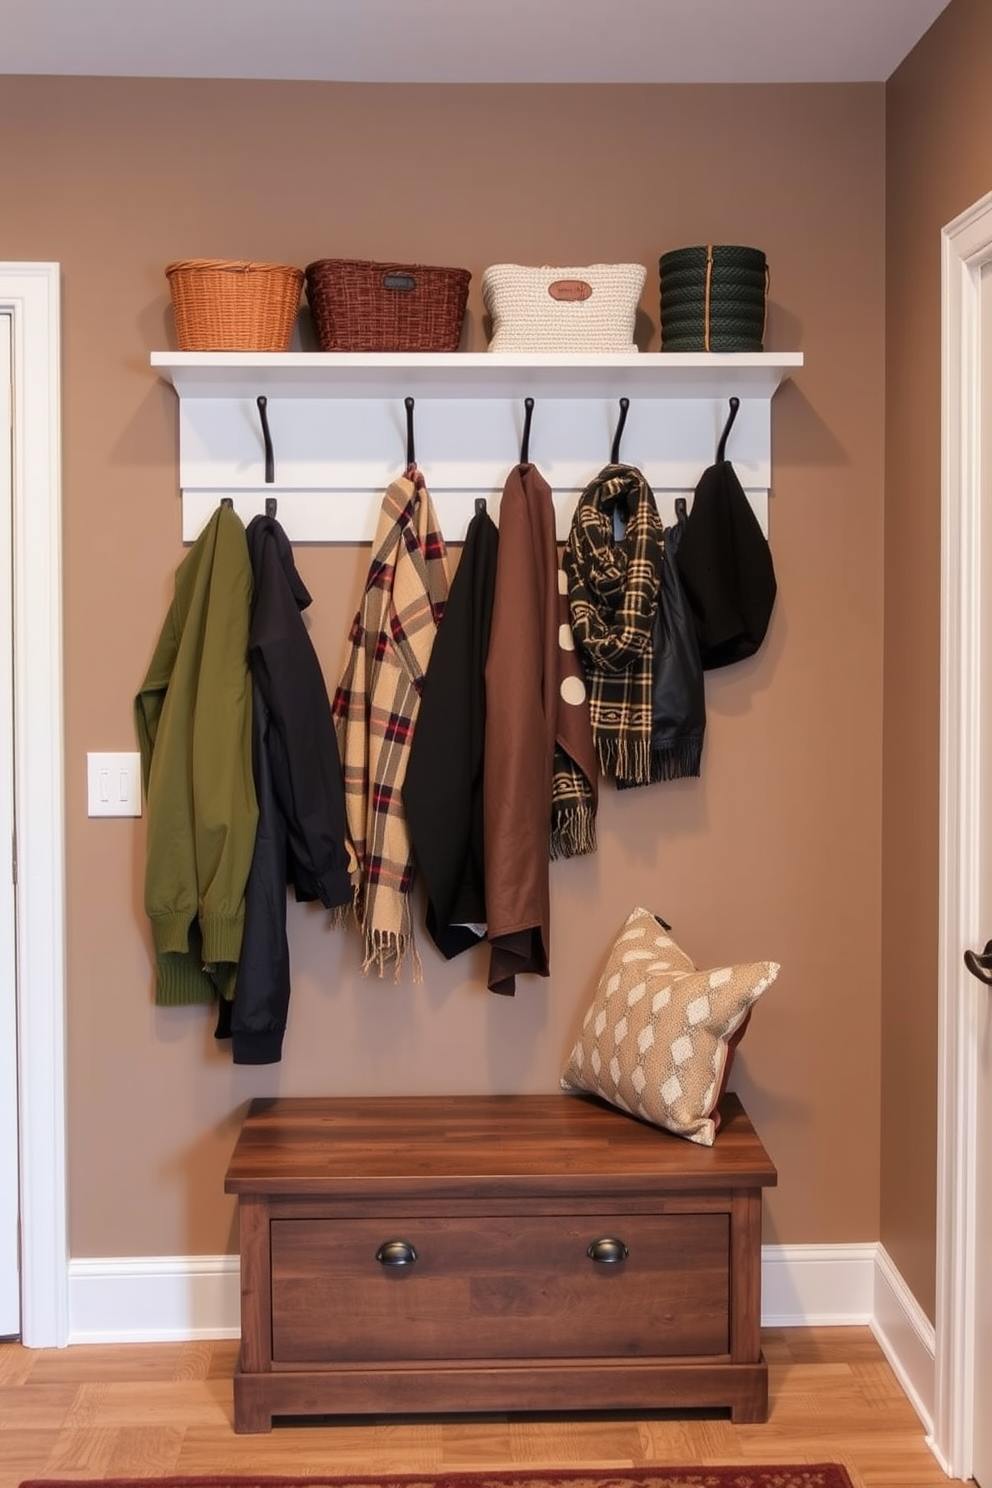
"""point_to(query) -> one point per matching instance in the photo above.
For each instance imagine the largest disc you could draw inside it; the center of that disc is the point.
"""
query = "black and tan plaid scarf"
(613, 585)
(376, 707)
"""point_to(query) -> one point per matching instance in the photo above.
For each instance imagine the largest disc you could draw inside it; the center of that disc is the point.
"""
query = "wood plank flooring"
(157, 1409)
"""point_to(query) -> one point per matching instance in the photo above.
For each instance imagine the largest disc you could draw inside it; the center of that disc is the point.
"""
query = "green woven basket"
(714, 297)
(715, 343)
(730, 277)
(724, 296)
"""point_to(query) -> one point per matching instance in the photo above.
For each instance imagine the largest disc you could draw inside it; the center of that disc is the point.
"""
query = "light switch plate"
(113, 784)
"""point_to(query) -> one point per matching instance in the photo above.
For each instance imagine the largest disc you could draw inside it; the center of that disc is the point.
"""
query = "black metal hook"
(411, 457)
(525, 442)
(480, 505)
(270, 470)
(615, 453)
(271, 506)
(735, 403)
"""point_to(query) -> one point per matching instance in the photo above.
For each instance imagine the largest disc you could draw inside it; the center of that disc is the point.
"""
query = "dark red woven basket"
(358, 305)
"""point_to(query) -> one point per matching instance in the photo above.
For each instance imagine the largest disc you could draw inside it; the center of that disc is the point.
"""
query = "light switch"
(113, 784)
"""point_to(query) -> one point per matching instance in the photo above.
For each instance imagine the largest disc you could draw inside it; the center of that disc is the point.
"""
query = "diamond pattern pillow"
(658, 1036)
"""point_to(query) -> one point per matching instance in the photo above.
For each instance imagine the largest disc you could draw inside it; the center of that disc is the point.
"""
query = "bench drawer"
(491, 1287)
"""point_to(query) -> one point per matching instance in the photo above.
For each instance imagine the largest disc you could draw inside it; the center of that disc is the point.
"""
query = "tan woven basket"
(226, 304)
(358, 305)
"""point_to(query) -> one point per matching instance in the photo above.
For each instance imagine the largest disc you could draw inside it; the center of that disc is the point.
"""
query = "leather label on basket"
(406, 282)
(570, 289)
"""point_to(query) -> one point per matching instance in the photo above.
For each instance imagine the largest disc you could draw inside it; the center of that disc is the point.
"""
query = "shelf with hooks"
(324, 433)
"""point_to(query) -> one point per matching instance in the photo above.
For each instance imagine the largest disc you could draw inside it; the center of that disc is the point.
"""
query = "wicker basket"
(224, 304)
(587, 309)
(714, 297)
(358, 305)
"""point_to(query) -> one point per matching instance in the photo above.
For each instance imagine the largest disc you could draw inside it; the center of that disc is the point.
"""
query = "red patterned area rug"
(781, 1475)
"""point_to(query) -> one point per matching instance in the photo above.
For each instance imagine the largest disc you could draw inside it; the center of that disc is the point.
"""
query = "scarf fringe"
(678, 760)
(573, 832)
(342, 916)
(382, 947)
(627, 760)
(391, 947)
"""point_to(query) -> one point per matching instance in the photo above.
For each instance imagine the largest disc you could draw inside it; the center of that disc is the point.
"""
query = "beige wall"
(775, 852)
(939, 161)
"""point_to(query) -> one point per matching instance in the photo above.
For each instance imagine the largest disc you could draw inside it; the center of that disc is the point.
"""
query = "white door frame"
(10, 1271)
(966, 248)
(30, 292)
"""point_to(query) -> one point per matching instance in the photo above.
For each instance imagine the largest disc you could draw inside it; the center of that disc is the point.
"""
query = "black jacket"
(678, 694)
(442, 791)
(301, 822)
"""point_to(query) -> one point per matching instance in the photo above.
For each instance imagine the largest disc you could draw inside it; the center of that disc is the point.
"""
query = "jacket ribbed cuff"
(171, 931)
(181, 980)
(222, 936)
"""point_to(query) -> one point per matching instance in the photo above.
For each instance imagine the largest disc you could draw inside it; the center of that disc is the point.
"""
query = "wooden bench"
(494, 1253)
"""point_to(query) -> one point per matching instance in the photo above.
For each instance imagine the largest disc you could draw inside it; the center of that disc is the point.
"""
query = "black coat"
(678, 691)
(442, 792)
(301, 822)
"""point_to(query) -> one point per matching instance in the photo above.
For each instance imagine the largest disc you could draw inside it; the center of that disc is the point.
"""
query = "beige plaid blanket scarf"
(375, 712)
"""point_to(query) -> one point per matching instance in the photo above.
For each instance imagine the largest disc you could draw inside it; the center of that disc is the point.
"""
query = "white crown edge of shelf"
(323, 374)
(474, 358)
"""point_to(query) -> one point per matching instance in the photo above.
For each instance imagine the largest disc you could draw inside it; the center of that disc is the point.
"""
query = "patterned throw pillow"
(658, 1037)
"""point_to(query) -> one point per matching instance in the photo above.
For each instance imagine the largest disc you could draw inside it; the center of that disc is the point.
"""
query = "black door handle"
(980, 965)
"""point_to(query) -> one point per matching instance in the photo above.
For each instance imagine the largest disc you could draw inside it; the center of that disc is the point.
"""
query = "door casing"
(10, 1281)
(966, 247)
(30, 294)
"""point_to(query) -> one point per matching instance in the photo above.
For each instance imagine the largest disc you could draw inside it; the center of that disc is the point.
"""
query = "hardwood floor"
(157, 1409)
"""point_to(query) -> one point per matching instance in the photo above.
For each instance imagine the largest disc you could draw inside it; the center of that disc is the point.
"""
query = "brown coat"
(522, 677)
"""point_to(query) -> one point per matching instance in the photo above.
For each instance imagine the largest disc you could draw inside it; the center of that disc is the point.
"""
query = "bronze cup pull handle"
(607, 1252)
(396, 1253)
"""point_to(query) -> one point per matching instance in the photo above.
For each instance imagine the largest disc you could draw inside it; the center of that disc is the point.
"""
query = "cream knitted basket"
(563, 309)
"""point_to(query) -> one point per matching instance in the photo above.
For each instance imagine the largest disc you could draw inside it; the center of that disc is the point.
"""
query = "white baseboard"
(154, 1299)
(906, 1336)
(817, 1285)
(172, 1298)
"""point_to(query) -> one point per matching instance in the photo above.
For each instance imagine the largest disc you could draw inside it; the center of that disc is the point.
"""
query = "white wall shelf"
(338, 428)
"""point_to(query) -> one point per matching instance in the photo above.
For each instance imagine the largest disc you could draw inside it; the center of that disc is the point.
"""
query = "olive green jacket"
(193, 720)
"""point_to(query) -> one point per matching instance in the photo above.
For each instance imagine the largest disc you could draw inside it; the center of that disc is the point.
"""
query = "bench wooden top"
(481, 1146)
